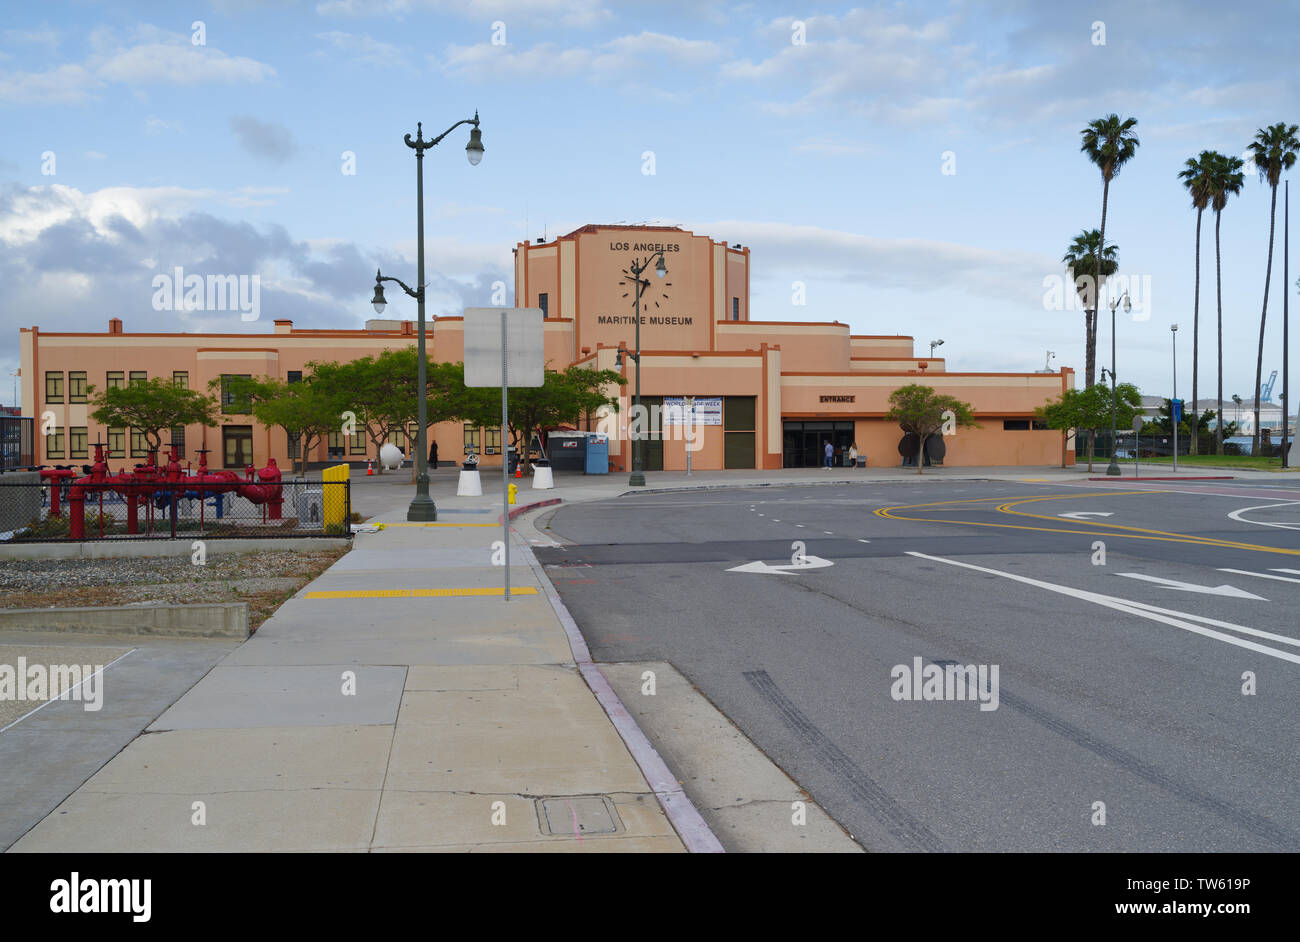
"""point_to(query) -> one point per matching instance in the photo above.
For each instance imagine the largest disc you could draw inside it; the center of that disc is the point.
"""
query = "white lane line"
(1294, 572)
(1131, 608)
(1236, 515)
(799, 525)
(1243, 629)
(67, 694)
(864, 541)
(829, 532)
(1260, 575)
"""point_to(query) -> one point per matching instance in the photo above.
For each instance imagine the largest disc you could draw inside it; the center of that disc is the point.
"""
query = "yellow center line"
(1112, 530)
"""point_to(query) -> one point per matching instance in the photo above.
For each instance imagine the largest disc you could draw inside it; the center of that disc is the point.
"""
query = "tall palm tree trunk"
(1218, 291)
(1196, 335)
(1096, 285)
(1268, 277)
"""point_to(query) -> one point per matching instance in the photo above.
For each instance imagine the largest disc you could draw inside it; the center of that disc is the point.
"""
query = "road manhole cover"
(578, 815)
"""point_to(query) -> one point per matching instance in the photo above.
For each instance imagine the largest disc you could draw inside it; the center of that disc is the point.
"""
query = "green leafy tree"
(1088, 410)
(306, 410)
(923, 412)
(1274, 150)
(563, 398)
(1226, 180)
(1081, 260)
(151, 406)
(1198, 178)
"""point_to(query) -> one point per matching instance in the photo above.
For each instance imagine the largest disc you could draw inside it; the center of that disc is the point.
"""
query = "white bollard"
(469, 484)
(543, 479)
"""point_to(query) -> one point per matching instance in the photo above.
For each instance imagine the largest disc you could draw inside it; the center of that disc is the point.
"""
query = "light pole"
(690, 429)
(1173, 336)
(422, 507)
(933, 344)
(1113, 468)
(638, 475)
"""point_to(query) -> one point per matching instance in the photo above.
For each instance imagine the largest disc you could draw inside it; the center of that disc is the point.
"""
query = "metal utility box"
(568, 450)
(597, 460)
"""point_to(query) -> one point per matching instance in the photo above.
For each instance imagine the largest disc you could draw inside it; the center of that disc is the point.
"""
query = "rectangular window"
(471, 439)
(735, 309)
(54, 388)
(543, 301)
(181, 379)
(77, 442)
(54, 444)
(295, 445)
(114, 379)
(1015, 425)
(77, 386)
(117, 443)
(295, 376)
(230, 404)
(178, 441)
(398, 437)
(492, 441)
(335, 444)
(139, 444)
(738, 432)
(358, 444)
(237, 446)
(139, 376)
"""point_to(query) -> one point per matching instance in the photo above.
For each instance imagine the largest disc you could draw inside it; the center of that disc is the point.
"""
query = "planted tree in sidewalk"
(150, 406)
(1088, 410)
(921, 411)
(306, 410)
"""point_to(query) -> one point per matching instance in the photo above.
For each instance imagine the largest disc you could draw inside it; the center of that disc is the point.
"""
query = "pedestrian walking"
(830, 455)
(433, 454)
(853, 455)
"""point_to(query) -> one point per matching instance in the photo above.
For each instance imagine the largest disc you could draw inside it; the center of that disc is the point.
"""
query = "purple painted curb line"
(685, 818)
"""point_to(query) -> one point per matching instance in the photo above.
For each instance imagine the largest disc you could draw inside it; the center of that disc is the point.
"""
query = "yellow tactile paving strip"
(417, 593)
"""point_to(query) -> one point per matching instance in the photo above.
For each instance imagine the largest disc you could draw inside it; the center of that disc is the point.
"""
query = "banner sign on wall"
(708, 411)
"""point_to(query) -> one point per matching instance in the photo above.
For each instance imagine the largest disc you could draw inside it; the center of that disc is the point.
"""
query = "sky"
(915, 166)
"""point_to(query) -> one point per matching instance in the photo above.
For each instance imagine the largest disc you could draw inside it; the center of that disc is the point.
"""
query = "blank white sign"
(525, 356)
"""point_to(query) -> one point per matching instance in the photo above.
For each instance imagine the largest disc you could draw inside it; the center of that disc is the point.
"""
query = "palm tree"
(1196, 175)
(1081, 260)
(1109, 143)
(1226, 179)
(1273, 150)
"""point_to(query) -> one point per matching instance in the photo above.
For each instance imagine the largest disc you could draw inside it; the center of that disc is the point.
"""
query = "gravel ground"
(262, 579)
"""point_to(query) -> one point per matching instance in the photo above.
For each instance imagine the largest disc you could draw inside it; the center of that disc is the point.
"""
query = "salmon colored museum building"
(775, 391)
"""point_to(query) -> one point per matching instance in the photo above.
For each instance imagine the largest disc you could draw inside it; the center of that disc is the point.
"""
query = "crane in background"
(1266, 394)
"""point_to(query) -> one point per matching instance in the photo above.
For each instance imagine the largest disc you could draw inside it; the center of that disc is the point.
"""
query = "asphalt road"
(1117, 693)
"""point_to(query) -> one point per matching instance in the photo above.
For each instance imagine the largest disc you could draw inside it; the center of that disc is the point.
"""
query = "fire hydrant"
(514, 489)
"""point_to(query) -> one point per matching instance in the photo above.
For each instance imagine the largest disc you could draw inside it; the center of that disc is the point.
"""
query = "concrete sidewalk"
(396, 703)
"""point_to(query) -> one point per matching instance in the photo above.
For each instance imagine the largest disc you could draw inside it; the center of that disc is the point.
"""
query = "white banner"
(708, 411)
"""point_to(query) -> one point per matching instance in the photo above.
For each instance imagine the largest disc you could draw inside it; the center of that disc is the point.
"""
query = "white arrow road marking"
(1080, 514)
(1163, 615)
(789, 569)
(1236, 515)
(1261, 575)
(1228, 590)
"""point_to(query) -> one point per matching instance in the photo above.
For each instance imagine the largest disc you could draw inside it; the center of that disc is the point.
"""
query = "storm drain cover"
(578, 815)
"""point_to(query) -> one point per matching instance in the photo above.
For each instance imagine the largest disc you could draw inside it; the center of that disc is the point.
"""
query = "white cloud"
(581, 13)
(365, 49)
(623, 55)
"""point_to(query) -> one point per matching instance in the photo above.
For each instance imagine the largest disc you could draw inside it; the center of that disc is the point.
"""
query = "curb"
(533, 506)
(1199, 477)
(685, 818)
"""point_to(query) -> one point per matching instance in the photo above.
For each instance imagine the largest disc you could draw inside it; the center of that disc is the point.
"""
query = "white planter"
(469, 484)
(543, 479)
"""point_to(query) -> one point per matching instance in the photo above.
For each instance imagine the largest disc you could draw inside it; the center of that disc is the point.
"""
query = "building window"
(237, 445)
(180, 379)
(138, 377)
(117, 443)
(295, 445)
(114, 379)
(54, 444)
(1022, 425)
(471, 439)
(358, 444)
(735, 309)
(178, 441)
(77, 442)
(335, 444)
(77, 386)
(543, 301)
(230, 404)
(295, 376)
(139, 444)
(54, 390)
(397, 437)
(492, 441)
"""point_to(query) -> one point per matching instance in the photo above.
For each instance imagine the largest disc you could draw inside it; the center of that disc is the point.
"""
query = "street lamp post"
(933, 344)
(638, 474)
(1113, 468)
(422, 507)
(1173, 336)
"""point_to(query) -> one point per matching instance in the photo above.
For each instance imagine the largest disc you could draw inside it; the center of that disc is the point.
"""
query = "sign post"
(1137, 441)
(690, 430)
(504, 346)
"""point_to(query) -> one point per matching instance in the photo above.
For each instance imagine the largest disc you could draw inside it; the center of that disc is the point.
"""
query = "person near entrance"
(853, 455)
(433, 454)
(830, 455)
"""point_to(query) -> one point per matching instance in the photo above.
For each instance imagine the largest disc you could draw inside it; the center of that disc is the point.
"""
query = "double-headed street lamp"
(933, 344)
(1113, 467)
(422, 507)
(638, 475)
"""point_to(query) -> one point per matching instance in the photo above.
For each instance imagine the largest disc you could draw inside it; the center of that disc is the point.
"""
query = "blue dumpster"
(597, 454)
